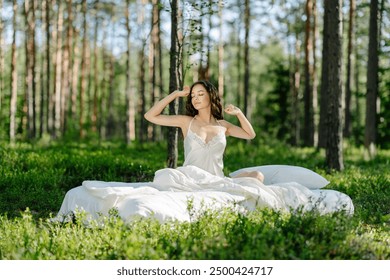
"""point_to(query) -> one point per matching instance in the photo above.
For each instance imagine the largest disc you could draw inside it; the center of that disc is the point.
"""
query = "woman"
(200, 180)
(204, 126)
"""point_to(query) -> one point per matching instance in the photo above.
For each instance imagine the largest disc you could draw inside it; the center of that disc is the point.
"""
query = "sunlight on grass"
(37, 177)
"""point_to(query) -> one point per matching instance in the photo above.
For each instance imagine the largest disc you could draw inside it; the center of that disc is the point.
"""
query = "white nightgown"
(201, 181)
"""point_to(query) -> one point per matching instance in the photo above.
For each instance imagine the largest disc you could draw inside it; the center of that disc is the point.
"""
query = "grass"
(34, 180)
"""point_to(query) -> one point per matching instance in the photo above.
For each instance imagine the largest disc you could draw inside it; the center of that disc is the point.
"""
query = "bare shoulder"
(181, 120)
(185, 123)
(225, 124)
(185, 119)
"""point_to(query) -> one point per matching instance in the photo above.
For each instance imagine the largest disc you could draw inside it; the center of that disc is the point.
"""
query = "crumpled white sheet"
(168, 196)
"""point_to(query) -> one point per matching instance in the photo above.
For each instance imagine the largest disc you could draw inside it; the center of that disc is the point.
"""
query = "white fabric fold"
(168, 196)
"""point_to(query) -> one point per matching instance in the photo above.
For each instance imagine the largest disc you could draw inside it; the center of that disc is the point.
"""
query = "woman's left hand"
(232, 110)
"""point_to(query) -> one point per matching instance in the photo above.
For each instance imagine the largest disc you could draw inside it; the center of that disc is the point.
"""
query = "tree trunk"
(202, 67)
(30, 84)
(1, 62)
(49, 86)
(334, 155)
(160, 76)
(83, 78)
(308, 134)
(143, 124)
(111, 94)
(130, 107)
(153, 60)
(180, 71)
(322, 132)
(95, 90)
(348, 83)
(159, 61)
(14, 77)
(75, 79)
(173, 85)
(67, 67)
(296, 124)
(370, 133)
(141, 90)
(105, 85)
(314, 74)
(358, 110)
(220, 52)
(239, 77)
(58, 84)
(246, 58)
(43, 75)
(208, 73)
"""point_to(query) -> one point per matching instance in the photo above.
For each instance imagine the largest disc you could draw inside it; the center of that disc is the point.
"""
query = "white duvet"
(171, 192)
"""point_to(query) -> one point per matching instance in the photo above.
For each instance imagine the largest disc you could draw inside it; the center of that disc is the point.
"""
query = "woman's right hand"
(154, 114)
(183, 93)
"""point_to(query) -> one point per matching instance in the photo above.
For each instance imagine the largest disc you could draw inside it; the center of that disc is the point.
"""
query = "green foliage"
(39, 177)
(262, 234)
(33, 181)
(275, 111)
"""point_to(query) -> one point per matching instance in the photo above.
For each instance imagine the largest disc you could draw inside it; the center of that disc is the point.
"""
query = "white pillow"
(274, 174)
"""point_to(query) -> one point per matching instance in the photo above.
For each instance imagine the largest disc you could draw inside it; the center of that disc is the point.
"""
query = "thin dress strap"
(189, 126)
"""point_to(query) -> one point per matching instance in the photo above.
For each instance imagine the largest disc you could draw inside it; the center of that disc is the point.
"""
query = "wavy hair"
(216, 107)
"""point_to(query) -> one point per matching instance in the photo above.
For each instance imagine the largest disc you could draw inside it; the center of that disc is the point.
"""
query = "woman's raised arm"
(245, 130)
(154, 114)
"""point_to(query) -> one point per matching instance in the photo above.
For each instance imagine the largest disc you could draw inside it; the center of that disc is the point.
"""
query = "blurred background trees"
(88, 69)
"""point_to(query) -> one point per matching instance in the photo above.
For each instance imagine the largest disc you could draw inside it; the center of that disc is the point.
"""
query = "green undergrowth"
(262, 234)
(34, 180)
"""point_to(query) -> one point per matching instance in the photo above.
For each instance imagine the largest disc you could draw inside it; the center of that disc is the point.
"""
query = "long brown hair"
(216, 107)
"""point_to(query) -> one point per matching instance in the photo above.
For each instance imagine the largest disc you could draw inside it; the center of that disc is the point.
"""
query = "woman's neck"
(204, 116)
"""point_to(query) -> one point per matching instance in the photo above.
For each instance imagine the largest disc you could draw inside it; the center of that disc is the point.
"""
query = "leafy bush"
(36, 179)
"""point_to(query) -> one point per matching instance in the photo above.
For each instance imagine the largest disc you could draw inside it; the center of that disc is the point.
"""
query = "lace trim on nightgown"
(212, 141)
(200, 140)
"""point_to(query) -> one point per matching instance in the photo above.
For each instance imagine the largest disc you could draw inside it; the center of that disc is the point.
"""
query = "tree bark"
(130, 107)
(75, 73)
(308, 135)
(83, 78)
(30, 84)
(50, 86)
(14, 77)
(296, 124)
(322, 133)
(246, 58)
(43, 75)
(314, 74)
(143, 124)
(173, 85)
(110, 124)
(159, 59)
(58, 79)
(141, 90)
(348, 83)
(334, 155)
(1, 62)
(95, 89)
(221, 53)
(240, 92)
(370, 133)
(67, 67)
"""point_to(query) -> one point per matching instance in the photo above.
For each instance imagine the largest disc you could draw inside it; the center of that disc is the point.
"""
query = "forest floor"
(35, 178)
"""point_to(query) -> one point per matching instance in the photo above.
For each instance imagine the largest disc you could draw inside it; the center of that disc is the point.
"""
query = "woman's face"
(200, 98)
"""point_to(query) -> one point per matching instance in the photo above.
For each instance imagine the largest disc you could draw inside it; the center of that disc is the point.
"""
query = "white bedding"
(168, 196)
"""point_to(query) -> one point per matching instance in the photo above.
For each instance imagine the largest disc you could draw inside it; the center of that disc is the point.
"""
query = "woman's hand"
(245, 130)
(154, 114)
(183, 93)
(232, 110)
